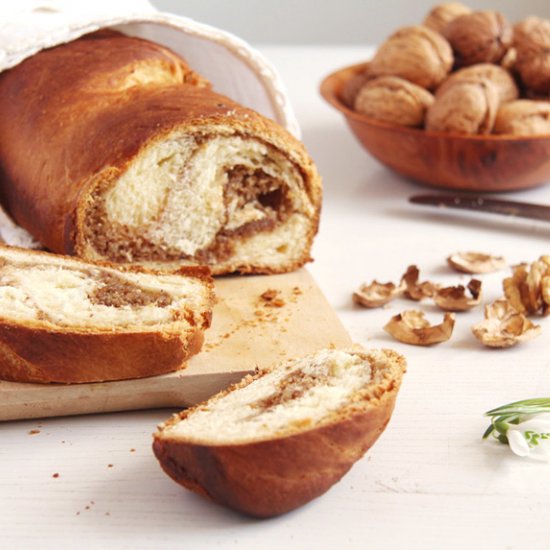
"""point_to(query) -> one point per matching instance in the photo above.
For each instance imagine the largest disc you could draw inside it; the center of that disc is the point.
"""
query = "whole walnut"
(479, 37)
(532, 44)
(394, 100)
(509, 59)
(441, 15)
(353, 85)
(523, 117)
(499, 77)
(417, 54)
(466, 107)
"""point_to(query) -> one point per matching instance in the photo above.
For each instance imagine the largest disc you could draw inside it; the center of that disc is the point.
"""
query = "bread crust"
(270, 477)
(43, 353)
(46, 356)
(73, 134)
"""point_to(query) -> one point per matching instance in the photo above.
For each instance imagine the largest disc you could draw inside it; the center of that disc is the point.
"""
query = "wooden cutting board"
(247, 331)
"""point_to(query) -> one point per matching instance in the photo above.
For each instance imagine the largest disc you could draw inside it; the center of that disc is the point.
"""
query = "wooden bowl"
(472, 163)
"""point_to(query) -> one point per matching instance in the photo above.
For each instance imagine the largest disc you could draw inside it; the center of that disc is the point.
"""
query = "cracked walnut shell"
(476, 262)
(394, 100)
(414, 290)
(411, 327)
(532, 44)
(417, 54)
(504, 326)
(454, 298)
(376, 294)
(441, 15)
(523, 117)
(466, 107)
(479, 37)
(501, 79)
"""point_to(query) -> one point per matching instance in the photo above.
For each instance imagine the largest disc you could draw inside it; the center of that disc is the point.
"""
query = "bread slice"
(113, 149)
(282, 437)
(64, 320)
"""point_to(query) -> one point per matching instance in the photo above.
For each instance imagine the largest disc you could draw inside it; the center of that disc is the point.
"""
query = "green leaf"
(527, 406)
(514, 413)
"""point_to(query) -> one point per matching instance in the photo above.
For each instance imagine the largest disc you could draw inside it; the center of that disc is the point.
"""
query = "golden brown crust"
(44, 353)
(270, 477)
(82, 128)
(46, 356)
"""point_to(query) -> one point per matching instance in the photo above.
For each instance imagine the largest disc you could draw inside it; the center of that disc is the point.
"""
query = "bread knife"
(486, 204)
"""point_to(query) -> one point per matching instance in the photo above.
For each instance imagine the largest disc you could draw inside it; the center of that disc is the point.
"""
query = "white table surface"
(429, 482)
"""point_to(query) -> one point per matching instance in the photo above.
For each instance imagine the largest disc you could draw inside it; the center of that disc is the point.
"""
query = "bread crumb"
(33, 432)
(109, 465)
(132, 450)
(272, 298)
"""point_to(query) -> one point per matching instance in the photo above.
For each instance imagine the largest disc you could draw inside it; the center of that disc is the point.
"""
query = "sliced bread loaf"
(282, 437)
(114, 149)
(64, 320)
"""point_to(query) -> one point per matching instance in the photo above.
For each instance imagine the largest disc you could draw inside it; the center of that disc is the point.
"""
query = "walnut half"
(454, 298)
(413, 289)
(476, 262)
(411, 327)
(375, 294)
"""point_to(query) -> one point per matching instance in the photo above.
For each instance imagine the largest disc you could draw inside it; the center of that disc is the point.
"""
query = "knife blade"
(486, 204)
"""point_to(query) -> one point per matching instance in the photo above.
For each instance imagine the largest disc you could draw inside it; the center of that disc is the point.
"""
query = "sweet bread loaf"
(114, 149)
(65, 320)
(282, 437)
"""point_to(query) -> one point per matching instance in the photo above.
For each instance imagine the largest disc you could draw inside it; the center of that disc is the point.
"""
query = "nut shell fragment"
(375, 295)
(504, 327)
(454, 298)
(411, 327)
(413, 289)
(476, 262)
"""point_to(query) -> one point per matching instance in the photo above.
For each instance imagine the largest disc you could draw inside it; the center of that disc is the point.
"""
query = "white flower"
(531, 437)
